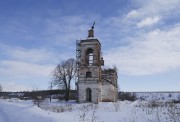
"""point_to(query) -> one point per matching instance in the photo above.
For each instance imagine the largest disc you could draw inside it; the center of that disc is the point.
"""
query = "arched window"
(88, 74)
(89, 56)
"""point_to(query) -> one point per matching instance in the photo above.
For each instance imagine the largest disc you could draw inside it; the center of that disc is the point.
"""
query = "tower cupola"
(91, 31)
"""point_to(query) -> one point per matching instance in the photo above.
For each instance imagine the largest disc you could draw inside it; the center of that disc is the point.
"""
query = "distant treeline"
(159, 95)
(29, 94)
(59, 94)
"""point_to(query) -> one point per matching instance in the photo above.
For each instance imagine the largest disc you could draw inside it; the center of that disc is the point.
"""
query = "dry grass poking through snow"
(121, 111)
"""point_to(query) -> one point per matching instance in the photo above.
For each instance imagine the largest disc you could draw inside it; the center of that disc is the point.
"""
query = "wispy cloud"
(22, 64)
(178, 83)
(155, 7)
(23, 69)
(133, 14)
(151, 12)
(154, 52)
(13, 86)
(148, 21)
(141, 51)
(27, 55)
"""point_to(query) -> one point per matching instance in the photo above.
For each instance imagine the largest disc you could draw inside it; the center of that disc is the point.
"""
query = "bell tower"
(89, 63)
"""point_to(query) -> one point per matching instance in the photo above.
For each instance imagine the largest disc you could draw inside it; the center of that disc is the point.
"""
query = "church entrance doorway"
(88, 95)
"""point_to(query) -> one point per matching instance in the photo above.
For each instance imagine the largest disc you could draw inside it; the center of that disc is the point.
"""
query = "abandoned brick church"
(94, 82)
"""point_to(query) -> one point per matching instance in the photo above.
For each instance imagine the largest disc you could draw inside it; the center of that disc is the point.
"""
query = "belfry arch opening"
(88, 95)
(89, 56)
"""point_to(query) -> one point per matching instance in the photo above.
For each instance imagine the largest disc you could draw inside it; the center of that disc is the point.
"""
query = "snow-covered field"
(14, 110)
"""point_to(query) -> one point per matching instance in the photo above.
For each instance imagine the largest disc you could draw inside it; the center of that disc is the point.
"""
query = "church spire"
(91, 31)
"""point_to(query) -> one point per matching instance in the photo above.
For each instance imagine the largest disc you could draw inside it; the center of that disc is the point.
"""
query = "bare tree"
(1, 88)
(63, 74)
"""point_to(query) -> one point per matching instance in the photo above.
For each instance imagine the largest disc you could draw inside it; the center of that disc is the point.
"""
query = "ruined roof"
(108, 71)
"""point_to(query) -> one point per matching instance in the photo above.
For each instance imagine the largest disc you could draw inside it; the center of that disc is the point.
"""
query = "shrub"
(127, 96)
(38, 97)
(130, 96)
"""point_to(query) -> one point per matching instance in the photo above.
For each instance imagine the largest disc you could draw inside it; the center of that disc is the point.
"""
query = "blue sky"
(140, 37)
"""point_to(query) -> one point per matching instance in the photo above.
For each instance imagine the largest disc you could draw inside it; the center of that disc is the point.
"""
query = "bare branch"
(63, 75)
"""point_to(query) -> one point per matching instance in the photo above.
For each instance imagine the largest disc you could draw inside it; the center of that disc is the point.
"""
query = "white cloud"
(148, 21)
(139, 51)
(21, 62)
(24, 69)
(133, 14)
(13, 87)
(149, 53)
(151, 12)
(30, 55)
(25, 66)
(158, 7)
(64, 30)
(178, 83)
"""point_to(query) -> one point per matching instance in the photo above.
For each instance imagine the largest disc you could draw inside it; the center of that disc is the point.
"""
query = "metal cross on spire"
(93, 25)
